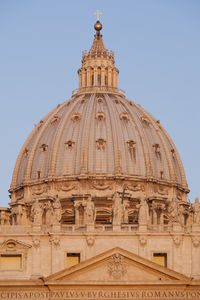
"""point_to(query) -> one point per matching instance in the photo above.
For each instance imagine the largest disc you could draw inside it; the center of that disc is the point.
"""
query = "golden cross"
(98, 13)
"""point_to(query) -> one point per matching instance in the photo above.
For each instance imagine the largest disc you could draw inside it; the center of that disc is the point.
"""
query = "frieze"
(150, 293)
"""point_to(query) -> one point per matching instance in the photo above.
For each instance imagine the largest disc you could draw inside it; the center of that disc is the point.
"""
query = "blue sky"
(157, 50)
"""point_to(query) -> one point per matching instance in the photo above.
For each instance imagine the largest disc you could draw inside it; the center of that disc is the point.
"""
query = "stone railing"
(98, 228)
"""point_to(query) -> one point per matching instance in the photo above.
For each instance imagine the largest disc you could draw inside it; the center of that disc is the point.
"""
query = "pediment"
(116, 266)
(12, 244)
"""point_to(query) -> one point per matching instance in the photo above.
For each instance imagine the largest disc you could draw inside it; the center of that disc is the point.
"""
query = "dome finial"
(98, 25)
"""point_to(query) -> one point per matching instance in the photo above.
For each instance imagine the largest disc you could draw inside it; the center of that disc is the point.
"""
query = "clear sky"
(157, 50)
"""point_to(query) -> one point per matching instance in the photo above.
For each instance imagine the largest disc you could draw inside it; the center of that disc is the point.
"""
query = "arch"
(106, 76)
(91, 77)
(99, 76)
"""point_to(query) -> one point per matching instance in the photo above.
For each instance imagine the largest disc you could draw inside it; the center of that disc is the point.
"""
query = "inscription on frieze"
(151, 293)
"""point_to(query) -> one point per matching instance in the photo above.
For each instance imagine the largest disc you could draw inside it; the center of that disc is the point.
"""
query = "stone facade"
(99, 182)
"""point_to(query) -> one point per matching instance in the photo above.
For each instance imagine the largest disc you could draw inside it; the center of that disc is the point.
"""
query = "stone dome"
(98, 134)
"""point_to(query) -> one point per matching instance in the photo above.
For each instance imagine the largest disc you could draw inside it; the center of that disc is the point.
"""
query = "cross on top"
(98, 13)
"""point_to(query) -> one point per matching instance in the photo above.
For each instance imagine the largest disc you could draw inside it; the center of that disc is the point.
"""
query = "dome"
(98, 141)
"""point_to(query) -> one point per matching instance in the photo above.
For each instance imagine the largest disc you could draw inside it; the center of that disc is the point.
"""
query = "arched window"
(112, 78)
(91, 77)
(99, 76)
(85, 77)
(106, 77)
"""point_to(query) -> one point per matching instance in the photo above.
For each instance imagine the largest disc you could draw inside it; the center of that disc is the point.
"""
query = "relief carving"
(36, 242)
(179, 195)
(100, 185)
(20, 194)
(159, 189)
(177, 240)
(196, 241)
(90, 240)
(116, 266)
(66, 187)
(135, 187)
(39, 190)
(55, 241)
(142, 240)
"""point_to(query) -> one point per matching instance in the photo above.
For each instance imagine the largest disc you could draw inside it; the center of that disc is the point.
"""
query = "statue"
(90, 214)
(57, 211)
(37, 212)
(196, 208)
(143, 215)
(173, 212)
(118, 209)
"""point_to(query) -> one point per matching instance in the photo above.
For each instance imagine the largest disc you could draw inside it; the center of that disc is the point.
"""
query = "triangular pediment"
(12, 244)
(116, 266)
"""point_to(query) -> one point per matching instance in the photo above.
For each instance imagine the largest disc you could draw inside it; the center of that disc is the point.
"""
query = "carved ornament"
(36, 242)
(135, 187)
(90, 241)
(160, 190)
(142, 240)
(20, 194)
(177, 240)
(100, 185)
(196, 241)
(55, 241)
(39, 190)
(66, 187)
(116, 266)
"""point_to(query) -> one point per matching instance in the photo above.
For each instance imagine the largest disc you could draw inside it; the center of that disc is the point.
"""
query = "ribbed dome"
(98, 134)
(98, 140)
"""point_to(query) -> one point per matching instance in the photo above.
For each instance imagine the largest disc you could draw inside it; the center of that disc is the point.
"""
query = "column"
(36, 257)
(195, 256)
(55, 254)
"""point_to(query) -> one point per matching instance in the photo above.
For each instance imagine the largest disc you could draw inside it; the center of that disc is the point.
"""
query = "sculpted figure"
(18, 214)
(118, 209)
(57, 211)
(181, 218)
(196, 208)
(4, 220)
(90, 214)
(143, 215)
(37, 212)
(173, 211)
